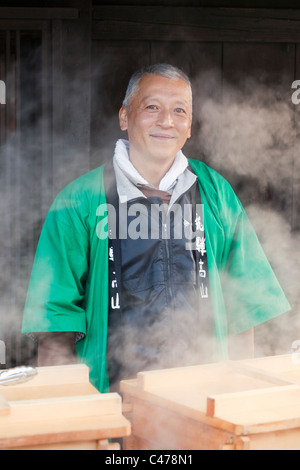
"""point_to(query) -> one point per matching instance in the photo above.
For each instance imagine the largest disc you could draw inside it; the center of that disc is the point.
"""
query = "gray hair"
(164, 70)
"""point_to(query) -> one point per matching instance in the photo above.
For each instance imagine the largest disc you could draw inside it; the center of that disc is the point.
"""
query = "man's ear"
(190, 128)
(123, 118)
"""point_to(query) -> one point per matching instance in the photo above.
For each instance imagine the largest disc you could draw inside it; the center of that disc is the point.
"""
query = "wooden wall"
(83, 58)
(236, 45)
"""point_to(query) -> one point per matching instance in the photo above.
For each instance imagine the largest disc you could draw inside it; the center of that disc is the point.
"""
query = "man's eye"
(152, 106)
(180, 110)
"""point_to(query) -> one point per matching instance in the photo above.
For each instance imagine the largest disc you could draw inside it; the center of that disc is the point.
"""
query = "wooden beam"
(45, 409)
(254, 407)
(195, 24)
(39, 13)
(24, 25)
(190, 14)
(4, 407)
(251, 371)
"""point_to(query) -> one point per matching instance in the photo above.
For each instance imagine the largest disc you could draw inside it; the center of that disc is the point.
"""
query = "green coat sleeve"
(245, 290)
(68, 288)
(251, 290)
(57, 284)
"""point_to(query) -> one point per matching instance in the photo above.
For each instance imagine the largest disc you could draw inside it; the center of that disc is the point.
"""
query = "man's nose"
(165, 118)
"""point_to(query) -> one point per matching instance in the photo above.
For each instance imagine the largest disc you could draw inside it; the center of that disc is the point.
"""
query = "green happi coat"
(69, 285)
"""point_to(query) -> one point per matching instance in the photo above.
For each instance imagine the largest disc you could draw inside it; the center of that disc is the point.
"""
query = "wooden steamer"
(244, 405)
(60, 409)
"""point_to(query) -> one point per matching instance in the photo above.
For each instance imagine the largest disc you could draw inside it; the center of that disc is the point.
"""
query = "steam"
(281, 246)
(33, 169)
(28, 183)
(2, 92)
(251, 131)
(249, 134)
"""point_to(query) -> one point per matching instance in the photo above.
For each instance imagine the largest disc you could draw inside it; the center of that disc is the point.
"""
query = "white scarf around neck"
(121, 158)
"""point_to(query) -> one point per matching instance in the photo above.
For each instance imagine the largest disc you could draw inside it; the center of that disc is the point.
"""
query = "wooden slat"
(271, 64)
(20, 167)
(286, 439)
(253, 415)
(251, 371)
(296, 163)
(159, 379)
(95, 444)
(91, 445)
(55, 417)
(202, 62)
(191, 15)
(50, 382)
(114, 63)
(281, 365)
(72, 430)
(185, 390)
(164, 428)
(4, 407)
(193, 59)
(24, 25)
(286, 366)
(71, 77)
(196, 24)
(64, 408)
(30, 13)
(217, 375)
(256, 406)
(50, 391)
(258, 72)
(58, 375)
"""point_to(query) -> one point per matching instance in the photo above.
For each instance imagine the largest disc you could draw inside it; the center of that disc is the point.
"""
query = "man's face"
(158, 120)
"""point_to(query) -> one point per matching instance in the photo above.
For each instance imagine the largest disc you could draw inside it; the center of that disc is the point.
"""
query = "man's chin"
(164, 152)
(163, 157)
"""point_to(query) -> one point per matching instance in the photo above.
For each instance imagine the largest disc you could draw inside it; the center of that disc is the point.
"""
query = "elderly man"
(149, 261)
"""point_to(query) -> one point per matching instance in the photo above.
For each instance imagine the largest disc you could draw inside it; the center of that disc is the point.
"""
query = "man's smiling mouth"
(162, 136)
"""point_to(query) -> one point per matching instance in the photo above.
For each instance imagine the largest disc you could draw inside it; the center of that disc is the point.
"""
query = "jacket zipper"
(167, 241)
(168, 254)
(167, 244)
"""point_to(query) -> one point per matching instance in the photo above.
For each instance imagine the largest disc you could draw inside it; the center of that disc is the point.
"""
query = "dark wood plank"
(280, 4)
(296, 162)
(193, 58)
(272, 64)
(196, 24)
(25, 25)
(39, 13)
(20, 182)
(191, 15)
(113, 64)
(258, 122)
(71, 98)
(31, 174)
(202, 62)
(257, 158)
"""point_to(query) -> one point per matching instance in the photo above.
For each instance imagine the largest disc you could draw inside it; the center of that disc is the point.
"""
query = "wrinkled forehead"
(155, 87)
